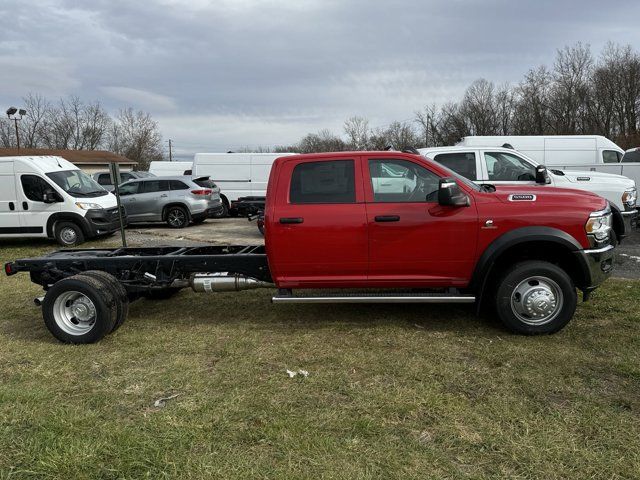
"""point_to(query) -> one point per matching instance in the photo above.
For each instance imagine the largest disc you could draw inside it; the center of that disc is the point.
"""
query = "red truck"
(362, 227)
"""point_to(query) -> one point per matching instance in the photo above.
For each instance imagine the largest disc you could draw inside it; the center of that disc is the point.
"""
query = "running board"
(376, 299)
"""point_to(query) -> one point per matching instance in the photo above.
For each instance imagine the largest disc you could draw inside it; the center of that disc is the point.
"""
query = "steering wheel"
(72, 187)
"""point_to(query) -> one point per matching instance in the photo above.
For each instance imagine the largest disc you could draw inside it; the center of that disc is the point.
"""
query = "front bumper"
(103, 221)
(598, 265)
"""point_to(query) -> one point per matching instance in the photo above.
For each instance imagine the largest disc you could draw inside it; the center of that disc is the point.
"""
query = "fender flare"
(67, 217)
(486, 262)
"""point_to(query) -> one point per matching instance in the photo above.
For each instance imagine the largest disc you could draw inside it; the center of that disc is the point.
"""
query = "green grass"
(393, 392)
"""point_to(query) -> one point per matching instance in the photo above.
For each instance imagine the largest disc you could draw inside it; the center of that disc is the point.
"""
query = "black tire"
(222, 213)
(118, 290)
(535, 289)
(177, 217)
(261, 229)
(68, 234)
(59, 320)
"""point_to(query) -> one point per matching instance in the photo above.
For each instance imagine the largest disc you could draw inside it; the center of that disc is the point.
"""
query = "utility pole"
(170, 153)
(14, 114)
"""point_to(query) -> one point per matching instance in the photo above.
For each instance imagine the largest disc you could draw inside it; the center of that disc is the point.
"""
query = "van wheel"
(117, 290)
(79, 309)
(536, 297)
(68, 234)
(177, 217)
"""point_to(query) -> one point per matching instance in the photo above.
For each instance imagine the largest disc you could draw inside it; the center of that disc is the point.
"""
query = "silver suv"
(175, 200)
(104, 178)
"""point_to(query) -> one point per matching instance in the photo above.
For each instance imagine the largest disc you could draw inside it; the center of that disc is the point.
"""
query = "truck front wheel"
(536, 297)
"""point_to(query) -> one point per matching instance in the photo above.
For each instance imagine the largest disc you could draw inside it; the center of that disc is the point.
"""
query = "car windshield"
(77, 183)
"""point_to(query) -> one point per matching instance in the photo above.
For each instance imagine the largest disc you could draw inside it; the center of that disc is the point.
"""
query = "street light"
(16, 114)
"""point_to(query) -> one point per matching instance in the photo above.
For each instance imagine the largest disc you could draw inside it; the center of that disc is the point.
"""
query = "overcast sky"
(223, 74)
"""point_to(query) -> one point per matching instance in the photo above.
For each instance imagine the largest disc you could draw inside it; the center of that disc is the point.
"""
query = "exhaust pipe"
(224, 282)
(38, 301)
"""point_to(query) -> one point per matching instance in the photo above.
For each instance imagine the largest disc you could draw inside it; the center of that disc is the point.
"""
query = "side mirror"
(450, 194)
(49, 196)
(542, 176)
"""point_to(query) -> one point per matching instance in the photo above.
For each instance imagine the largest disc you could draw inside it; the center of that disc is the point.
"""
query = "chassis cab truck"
(362, 227)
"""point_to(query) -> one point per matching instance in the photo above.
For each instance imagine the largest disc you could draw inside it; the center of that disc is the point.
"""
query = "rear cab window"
(327, 181)
(463, 163)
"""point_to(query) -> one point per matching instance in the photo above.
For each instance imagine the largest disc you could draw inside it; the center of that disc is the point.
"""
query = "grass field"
(393, 391)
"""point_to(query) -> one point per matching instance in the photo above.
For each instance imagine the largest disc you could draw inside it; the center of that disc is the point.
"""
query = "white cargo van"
(49, 197)
(499, 165)
(594, 153)
(170, 169)
(237, 174)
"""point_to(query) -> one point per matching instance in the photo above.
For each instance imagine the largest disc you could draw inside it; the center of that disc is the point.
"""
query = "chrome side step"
(376, 299)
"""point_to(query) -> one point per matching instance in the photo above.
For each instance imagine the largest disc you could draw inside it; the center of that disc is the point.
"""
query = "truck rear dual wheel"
(79, 309)
(122, 299)
(536, 297)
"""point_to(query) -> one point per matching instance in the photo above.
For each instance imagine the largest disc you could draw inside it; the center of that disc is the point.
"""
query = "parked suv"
(104, 178)
(175, 200)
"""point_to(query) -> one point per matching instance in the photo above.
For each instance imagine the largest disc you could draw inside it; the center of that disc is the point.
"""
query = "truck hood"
(583, 176)
(548, 195)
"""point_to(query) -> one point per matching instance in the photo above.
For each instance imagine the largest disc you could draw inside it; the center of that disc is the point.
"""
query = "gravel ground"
(627, 258)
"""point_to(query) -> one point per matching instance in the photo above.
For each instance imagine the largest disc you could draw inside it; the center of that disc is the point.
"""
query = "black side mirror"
(49, 196)
(542, 176)
(450, 194)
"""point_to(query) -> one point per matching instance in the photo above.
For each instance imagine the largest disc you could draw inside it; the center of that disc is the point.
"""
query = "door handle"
(387, 218)
(290, 220)
(25, 206)
(163, 195)
(12, 207)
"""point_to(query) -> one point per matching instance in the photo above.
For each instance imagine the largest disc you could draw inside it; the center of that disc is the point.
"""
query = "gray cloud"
(221, 74)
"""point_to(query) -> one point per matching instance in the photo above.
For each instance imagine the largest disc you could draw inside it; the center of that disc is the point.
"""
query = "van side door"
(34, 212)
(9, 211)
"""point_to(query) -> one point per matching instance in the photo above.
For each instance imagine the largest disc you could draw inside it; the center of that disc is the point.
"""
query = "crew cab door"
(507, 168)
(317, 228)
(413, 241)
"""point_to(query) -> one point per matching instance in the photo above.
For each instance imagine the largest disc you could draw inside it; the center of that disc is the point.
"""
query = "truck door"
(412, 239)
(34, 212)
(507, 168)
(317, 230)
(9, 212)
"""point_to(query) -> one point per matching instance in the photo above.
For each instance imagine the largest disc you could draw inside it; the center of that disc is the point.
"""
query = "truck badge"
(522, 197)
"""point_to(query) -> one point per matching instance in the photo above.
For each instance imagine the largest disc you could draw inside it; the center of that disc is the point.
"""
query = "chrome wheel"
(74, 313)
(537, 300)
(68, 235)
(176, 218)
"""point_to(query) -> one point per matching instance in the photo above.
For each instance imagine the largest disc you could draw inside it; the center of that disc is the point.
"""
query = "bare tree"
(357, 131)
(136, 136)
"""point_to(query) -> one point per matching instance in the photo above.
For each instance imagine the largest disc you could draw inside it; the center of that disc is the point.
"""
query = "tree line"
(72, 124)
(578, 95)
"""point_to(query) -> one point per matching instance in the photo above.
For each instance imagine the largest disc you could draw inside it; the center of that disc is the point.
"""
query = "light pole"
(14, 114)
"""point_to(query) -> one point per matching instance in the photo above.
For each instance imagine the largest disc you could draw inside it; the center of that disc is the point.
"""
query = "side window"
(323, 182)
(402, 181)
(129, 188)
(104, 179)
(503, 166)
(34, 187)
(151, 186)
(632, 156)
(463, 163)
(610, 156)
(124, 176)
(178, 185)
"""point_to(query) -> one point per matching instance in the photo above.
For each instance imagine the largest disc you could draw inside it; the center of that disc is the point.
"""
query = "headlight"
(88, 205)
(629, 198)
(599, 224)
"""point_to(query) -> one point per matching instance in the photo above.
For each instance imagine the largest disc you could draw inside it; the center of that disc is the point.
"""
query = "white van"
(499, 165)
(49, 197)
(237, 174)
(170, 169)
(594, 153)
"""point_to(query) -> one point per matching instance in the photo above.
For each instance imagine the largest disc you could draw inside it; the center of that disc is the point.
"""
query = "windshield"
(77, 183)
